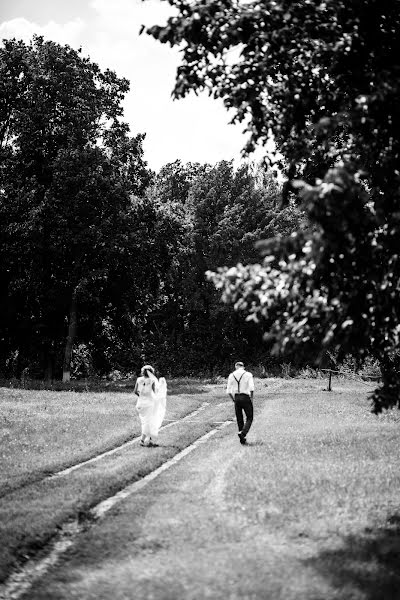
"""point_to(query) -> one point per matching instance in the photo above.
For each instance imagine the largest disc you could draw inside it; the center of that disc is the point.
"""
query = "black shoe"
(242, 438)
(153, 445)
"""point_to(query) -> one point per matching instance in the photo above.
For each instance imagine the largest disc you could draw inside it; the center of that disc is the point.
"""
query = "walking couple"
(151, 404)
(152, 399)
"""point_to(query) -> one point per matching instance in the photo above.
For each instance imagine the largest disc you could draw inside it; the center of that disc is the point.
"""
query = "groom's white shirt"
(245, 386)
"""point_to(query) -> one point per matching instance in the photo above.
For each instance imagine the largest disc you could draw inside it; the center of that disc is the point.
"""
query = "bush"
(82, 362)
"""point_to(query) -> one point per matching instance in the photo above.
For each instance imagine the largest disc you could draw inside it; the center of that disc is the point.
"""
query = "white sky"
(195, 129)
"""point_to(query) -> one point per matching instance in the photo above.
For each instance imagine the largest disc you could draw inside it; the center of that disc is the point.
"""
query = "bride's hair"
(145, 368)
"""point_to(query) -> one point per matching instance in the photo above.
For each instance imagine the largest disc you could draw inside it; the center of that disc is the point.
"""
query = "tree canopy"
(322, 78)
(69, 176)
(101, 261)
(223, 211)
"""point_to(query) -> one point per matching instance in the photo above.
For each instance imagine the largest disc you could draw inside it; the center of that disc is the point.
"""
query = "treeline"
(102, 262)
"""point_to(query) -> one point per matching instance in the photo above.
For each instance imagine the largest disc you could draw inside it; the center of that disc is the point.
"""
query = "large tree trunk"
(72, 326)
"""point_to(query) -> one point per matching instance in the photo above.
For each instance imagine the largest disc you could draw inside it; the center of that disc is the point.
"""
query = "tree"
(173, 182)
(323, 79)
(222, 212)
(69, 170)
(122, 333)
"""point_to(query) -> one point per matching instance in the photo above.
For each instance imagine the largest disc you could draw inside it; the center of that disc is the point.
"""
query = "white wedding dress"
(151, 404)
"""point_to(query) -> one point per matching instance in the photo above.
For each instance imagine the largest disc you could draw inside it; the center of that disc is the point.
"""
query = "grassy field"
(309, 510)
(44, 431)
(313, 501)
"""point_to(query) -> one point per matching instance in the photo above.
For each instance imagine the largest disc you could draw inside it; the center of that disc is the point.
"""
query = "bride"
(151, 404)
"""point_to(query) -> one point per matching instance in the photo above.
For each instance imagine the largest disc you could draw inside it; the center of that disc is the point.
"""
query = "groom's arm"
(251, 386)
(229, 389)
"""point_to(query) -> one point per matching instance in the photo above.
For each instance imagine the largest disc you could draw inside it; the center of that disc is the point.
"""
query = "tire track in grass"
(22, 579)
(172, 422)
(97, 457)
(72, 468)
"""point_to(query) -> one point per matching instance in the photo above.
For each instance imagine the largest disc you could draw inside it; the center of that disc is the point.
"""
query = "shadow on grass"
(254, 444)
(189, 390)
(175, 387)
(174, 446)
(369, 563)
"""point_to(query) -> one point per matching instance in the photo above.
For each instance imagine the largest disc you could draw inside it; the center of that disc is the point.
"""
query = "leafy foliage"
(323, 79)
(101, 260)
(70, 175)
(223, 212)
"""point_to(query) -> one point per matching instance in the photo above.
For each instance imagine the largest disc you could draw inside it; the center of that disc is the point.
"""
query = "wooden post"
(330, 371)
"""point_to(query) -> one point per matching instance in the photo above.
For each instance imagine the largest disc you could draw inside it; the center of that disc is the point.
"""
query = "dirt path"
(175, 434)
(185, 535)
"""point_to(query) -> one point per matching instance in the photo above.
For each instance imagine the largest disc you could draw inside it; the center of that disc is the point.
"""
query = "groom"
(240, 388)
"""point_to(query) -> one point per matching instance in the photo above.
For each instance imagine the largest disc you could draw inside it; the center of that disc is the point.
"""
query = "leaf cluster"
(322, 78)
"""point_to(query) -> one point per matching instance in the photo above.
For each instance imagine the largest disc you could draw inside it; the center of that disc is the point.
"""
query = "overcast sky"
(195, 129)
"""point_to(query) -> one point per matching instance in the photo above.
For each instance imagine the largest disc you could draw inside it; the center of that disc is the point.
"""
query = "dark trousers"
(243, 404)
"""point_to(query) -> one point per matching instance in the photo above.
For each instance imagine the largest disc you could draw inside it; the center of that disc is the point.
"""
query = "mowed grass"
(309, 510)
(322, 482)
(322, 460)
(311, 507)
(45, 431)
